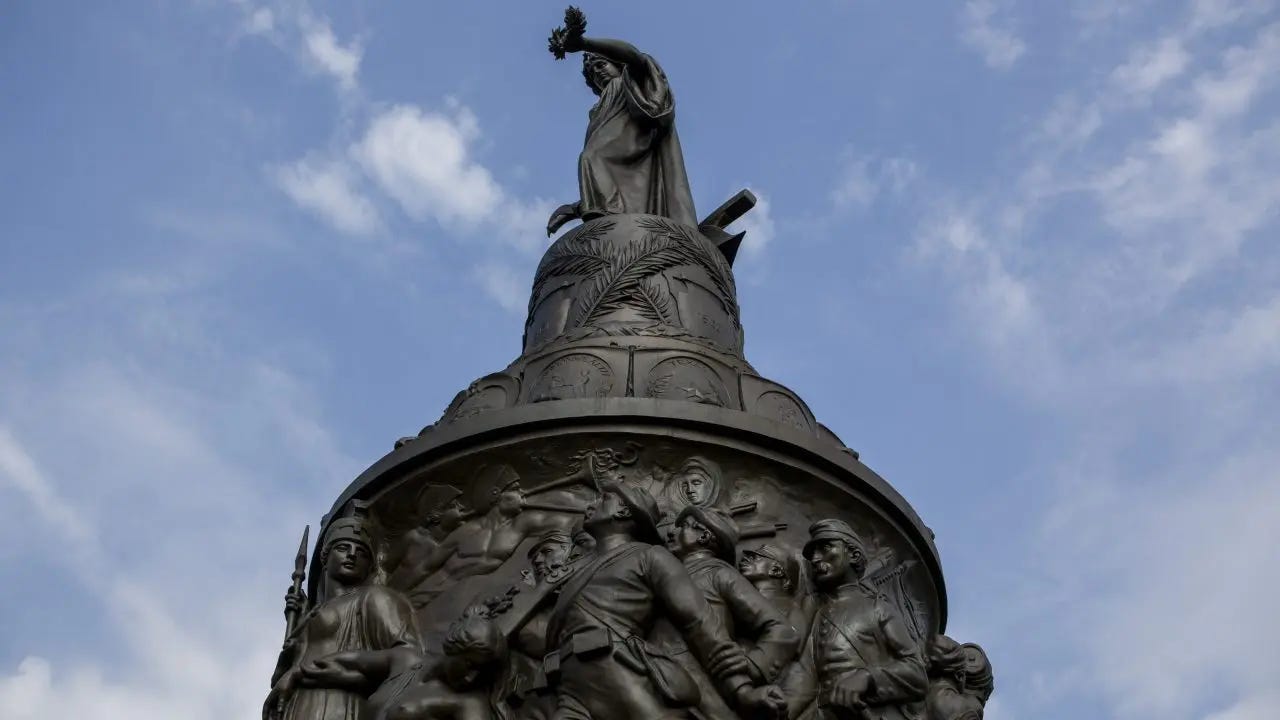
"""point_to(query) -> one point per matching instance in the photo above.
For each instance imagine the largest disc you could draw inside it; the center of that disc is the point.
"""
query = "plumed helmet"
(354, 529)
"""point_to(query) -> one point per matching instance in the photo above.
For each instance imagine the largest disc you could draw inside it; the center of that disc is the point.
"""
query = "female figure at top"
(631, 161)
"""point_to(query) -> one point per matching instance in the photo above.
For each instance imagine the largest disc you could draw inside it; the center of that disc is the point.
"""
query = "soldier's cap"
(644, 510)
(488, 482)
(554, 536)
(435, 497)
(724, 531)
(353, 529)
(788, 560)
(978, 669)
(832, 529)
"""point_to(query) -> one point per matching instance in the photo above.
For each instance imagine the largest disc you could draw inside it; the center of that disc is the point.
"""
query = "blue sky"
(1023, 256)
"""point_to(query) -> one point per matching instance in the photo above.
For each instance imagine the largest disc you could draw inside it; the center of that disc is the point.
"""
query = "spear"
(299, 574)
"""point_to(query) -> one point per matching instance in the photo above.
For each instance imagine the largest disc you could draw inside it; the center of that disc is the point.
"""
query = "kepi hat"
(724, 531)
(832, 529)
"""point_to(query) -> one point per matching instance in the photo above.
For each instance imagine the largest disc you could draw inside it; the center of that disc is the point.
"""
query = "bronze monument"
(608, 527)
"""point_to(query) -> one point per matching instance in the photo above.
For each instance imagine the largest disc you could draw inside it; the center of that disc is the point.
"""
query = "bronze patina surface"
(628, 521)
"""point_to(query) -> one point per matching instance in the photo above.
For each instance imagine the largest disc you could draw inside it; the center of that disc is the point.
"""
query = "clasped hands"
(765, 702)
(850, 691)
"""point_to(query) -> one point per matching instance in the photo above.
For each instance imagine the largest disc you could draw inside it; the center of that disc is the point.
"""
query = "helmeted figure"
(705, 540)
(603, 666)
(356, 638)
(859, 660)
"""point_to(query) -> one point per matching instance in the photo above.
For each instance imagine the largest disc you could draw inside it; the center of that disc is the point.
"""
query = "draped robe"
(631, 161)
(371, 618)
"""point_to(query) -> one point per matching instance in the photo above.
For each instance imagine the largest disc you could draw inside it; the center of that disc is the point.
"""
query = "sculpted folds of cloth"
(357, 638)
(858, 658)
(631, 161)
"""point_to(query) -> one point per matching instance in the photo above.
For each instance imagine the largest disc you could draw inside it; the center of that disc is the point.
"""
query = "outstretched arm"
(619, 51)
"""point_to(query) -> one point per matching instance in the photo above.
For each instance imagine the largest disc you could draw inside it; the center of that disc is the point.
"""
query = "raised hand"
(568, 39)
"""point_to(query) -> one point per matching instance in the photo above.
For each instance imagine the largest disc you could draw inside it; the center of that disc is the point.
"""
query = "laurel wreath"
(575, 26)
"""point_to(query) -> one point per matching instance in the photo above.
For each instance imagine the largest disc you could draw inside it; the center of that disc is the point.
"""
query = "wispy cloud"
(864, 178)
(295, 27)
(328, 188)
(326, 54)
(1086, 277)
(985, 27)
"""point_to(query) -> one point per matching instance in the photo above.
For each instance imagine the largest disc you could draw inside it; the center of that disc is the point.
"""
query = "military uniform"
(603, 667)
(857, 629)
(741, 612)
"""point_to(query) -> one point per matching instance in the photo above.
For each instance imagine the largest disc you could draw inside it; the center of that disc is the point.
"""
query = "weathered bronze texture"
(628, 521)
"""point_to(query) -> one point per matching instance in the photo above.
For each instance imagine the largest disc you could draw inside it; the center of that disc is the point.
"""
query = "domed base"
(634, 275)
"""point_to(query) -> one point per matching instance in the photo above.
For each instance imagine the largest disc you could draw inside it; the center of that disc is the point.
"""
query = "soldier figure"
(775, 572)
(706, 540)
(444, 513)
(959, 680)
(859, 660)
(526, 683)
(479, 546)
(602, 666)
(358, 637)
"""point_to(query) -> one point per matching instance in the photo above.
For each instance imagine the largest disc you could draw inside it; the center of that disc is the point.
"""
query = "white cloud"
(423, 160)
(296, 29)
(327, 188)
(864, 179)
(1176, 578)
(1123, 282)
(1246, 71)
(168, 666)
(142, 471)
(326, 54)
(758, 224)
(982, 29)
(1150, 67)
(260, 21)
(505, 284)
(18, 471)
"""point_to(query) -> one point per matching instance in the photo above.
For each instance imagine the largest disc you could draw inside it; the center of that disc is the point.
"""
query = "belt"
(594, 642)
